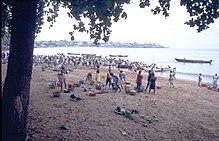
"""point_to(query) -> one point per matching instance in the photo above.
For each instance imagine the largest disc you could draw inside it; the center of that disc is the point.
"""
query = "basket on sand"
(132, 92)
(66, 90)
(91, 93)
(58, 84)
(81, 81)
(127, 82)
(158, 86)
(92, 82)
(127, 88)
(204, 84)
(210, 87)
(52, 85)
(129, 113)
(71, 85)
(77, 84)
(57, 93)
(99, 86)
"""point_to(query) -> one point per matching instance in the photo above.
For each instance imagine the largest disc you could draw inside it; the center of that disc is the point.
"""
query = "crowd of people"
(213, 84)
(89, 60)
(63, 64)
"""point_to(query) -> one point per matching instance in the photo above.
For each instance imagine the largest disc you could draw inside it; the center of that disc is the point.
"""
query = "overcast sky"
(143, 27)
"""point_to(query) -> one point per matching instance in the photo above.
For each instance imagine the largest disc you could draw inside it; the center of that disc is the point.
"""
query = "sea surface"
(161, 56)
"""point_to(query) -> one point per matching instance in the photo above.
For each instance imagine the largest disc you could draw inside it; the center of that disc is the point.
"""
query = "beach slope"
(186, 112)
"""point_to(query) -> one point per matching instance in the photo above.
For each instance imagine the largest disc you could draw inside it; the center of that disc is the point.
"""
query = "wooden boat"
(125, 67)
(162, 69)
(158, 69)
(118, 55)
(61, 54)
(73, 53)
(192, 61)
(106, 65)
(88, 54)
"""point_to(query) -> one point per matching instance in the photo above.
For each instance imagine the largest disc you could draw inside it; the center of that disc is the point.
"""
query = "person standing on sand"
(174, 73)
(153, 68)
(62, 77)
(139, 81)
(122, 75)
(98, 76)
(134, 68)
(108, 78)
(153, 84)
(215, 79)
(149, 80)
(199, 79)
(170, 79)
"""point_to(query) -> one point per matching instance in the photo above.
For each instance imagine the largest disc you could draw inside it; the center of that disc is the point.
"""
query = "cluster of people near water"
(74, 62)
(60, 62)
(113, 81)
(213, 84)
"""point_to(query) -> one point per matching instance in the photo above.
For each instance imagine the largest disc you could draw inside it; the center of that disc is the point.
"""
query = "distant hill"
(64, 43)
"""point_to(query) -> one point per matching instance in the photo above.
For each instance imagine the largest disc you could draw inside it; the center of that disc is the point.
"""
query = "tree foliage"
(203, 12)
(6, 19)
(102, 13)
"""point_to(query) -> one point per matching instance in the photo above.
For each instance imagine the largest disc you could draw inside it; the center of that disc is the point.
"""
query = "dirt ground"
(186, 112)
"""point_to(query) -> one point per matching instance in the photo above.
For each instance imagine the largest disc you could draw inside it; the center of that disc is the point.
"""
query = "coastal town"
(65, 43)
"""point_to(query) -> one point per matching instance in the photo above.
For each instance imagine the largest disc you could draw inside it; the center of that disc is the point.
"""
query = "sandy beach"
(186, 112)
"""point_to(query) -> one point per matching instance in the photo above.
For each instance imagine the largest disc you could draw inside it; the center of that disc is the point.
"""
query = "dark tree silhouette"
(17, 82)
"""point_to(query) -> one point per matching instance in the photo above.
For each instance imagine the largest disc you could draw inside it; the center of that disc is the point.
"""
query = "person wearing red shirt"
(139, 81)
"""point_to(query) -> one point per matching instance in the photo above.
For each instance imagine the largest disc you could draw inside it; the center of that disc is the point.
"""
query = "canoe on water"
(88, 54)
(73, 53)
(193, 61)
(118, 55)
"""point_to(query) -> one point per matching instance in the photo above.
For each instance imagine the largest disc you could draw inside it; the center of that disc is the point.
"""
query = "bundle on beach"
(81, 81)
(52, 85)
(57, 93)
(127, 88)
(132, 92)
(91, 93)
(99, 86)
(158, 86)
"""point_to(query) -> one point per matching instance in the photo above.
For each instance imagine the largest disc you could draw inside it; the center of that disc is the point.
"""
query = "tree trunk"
(17, 82)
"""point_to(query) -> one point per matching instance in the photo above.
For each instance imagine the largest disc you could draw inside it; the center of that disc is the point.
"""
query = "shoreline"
(182, 75)
(189, 76)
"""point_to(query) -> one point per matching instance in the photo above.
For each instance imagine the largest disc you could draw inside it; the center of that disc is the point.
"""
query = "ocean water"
(161, 56)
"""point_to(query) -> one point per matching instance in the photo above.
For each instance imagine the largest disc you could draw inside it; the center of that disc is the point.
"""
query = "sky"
(142, 26)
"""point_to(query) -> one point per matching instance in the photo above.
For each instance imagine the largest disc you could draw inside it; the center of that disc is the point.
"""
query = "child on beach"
(199, 79)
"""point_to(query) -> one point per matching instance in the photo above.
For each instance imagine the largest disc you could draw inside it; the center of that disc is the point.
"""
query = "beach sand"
(186, 112)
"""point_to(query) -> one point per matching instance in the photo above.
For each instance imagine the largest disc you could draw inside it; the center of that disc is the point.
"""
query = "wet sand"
(186, 112)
